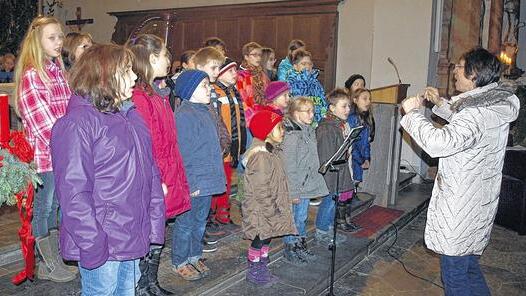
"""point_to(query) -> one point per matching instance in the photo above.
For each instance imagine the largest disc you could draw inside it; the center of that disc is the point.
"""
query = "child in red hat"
(266, 207)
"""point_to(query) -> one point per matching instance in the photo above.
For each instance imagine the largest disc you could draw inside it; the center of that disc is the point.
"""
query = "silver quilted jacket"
(471, 150)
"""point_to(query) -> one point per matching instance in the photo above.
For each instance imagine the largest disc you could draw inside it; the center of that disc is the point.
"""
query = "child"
(233, 115)
(151, 61)
(209, 60)
(285, 66)
(186, 63)
(216, 43)
(202, 157)
(268, 61)
(300, 156)
(330, 135)
(354, 82)
(266, 206)
(75, 45)
(108, 184)
(277, 98)
(42, 95)
(361, 115)
(8, 66)
(252, 80)
(303, 81)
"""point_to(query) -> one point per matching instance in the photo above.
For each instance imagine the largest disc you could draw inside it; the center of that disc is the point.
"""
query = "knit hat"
(263, 122)
(187, 82)
(275, 89)
(229, 63)
(352, 79)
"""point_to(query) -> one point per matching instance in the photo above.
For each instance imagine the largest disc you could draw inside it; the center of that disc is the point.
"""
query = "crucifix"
(79, 22)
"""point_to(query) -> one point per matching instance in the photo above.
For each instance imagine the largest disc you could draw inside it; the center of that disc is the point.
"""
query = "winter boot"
(264, 266)
(154, 258)
(143, 287)
(256, 275)
(49, 268)
(305, 252)
(353, 227)
(342, 214)
(53, 239)
(293, 255)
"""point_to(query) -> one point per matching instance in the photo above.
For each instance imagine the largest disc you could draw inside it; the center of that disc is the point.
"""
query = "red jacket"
(156, 112)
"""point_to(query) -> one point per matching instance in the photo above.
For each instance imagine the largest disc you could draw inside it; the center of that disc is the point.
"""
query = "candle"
(4, 119)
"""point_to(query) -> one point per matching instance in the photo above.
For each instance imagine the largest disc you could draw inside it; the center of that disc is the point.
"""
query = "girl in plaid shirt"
(42, 94)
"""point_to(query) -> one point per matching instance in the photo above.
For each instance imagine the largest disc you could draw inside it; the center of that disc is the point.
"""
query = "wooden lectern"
(392, 94)
(381, 179)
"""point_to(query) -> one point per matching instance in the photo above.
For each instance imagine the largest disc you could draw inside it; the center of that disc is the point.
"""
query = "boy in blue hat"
(203, 163)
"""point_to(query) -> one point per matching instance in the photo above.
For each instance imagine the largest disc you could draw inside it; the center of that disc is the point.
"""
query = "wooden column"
(495, 26)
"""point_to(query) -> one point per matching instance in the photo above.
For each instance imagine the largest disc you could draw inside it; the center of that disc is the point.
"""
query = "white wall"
(369, 31)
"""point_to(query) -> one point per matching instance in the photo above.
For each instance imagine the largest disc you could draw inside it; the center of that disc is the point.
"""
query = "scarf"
(257, 81)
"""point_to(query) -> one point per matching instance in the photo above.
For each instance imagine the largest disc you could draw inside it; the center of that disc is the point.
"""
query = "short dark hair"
(337, 95)
(482, 65)
(299, 54)
(214, 41)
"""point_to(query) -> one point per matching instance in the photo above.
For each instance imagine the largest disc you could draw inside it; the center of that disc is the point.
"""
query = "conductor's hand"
(411, 103)
(431, 94)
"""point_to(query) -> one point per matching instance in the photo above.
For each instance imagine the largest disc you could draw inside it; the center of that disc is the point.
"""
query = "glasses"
(458, 66)
(257, 55)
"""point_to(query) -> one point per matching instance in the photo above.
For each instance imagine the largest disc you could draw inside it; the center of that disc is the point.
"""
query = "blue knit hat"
(187, 82)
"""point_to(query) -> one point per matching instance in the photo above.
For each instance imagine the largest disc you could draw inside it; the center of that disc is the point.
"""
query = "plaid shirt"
(40, 105)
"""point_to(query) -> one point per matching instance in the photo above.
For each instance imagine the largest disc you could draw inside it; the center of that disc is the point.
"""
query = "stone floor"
(364, 266)
(503, 264)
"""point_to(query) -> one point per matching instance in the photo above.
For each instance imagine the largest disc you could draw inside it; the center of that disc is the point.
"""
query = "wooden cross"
(79, 22)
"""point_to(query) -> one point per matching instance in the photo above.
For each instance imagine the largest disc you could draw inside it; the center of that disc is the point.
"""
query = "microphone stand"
(332, 165)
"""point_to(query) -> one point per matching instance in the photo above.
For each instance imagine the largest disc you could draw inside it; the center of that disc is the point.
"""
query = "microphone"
(396, 69)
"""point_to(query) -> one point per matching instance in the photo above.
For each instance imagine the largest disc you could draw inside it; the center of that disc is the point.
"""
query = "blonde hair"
(32, 53)
(206, 54)
(297, 104)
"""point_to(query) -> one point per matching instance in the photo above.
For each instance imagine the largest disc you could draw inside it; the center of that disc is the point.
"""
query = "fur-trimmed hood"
(492, 95)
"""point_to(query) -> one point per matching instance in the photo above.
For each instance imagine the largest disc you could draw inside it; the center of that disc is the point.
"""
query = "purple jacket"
(107, 184)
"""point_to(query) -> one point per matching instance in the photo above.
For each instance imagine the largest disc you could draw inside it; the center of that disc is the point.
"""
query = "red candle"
(4, 118)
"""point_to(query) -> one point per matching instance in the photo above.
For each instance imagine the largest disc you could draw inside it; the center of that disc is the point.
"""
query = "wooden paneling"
(272, 24)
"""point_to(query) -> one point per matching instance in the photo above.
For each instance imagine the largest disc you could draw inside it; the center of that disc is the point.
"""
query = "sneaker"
(305, 252)
(210, 240)
(315, 202)
(293, 256)
(214, 229)
(326, 237)
(201, 267)
(209, 248)
(187, 272)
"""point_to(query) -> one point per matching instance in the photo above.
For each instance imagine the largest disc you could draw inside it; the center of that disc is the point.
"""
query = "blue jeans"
(461, 275)
(325, 216)
(117, 278)
(45, 206)
(189, 228)
(300, 212)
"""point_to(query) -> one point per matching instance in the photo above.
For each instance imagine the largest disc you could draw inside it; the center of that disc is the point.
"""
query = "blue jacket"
(361, 149)
(306, 84)
(285, 66)
(200, 149)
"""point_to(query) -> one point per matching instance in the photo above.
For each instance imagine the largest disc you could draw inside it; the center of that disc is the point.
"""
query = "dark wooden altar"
(272, 24)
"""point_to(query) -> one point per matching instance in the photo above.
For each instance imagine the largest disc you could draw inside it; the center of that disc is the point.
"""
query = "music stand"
(331, 165)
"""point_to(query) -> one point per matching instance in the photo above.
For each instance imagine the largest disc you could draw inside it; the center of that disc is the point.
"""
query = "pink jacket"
(156, 112)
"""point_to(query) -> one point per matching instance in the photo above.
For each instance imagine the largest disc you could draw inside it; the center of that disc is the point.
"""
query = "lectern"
(382, 177)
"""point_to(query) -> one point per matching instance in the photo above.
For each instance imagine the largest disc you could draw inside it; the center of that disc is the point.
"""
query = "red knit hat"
(263, 122)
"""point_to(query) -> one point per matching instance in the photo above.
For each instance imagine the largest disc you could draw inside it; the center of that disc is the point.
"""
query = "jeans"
(117, 278)
(461, 275)
(325, 216)
(45, 206)
(300, 212)
(189, 228)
